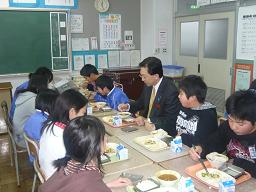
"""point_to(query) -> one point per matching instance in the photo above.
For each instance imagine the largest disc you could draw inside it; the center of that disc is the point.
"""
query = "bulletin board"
(243, 76)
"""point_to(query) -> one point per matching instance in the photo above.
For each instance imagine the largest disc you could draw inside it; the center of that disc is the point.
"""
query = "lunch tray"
(124, 123)
(192, 170)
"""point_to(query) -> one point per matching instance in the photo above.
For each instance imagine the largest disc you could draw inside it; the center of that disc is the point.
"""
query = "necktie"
(151, 101)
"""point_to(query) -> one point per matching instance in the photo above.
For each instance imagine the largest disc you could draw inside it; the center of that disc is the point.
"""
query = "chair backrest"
(33, 149)
(119, 85)
(4, 109)
(8, 123)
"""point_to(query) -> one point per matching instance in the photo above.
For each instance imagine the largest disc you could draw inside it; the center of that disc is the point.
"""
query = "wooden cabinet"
(129, 78)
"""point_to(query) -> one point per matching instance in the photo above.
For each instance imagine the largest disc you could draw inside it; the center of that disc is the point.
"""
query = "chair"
(119, 85)
(33, 149)
(14, 149)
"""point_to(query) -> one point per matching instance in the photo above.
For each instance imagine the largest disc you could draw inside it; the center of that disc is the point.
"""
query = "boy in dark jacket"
(237, 135)
(197, 118)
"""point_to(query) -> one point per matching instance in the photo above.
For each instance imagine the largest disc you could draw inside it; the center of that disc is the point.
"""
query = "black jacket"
(165, 108)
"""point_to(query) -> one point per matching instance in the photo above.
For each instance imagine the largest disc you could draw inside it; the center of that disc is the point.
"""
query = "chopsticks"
(201, 160)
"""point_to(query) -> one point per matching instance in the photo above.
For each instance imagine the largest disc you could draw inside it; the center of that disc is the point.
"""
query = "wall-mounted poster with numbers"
(246, 33)
(110, 31)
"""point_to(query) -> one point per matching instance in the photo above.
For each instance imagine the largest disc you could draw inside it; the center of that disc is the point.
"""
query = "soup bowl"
(167, 178)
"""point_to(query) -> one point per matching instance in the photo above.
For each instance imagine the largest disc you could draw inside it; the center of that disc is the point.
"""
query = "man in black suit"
(158, 102)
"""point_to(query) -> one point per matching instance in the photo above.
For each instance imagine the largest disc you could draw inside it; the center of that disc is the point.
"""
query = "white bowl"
(167, 178)
(216, 159)
(124, 115)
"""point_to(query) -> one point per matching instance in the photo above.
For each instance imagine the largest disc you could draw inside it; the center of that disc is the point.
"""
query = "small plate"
(124, 115)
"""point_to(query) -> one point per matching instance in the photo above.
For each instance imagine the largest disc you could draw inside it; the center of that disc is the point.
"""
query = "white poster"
(80, 44)
(103, 61)
(94, 43)
(246, 33)
(254, 68)
(78, 62)
(76, 23)
(128, 37)
(24, 1)
(242, 79)
(4, 3)
(60, 2)
(89, 59)
(125, 59)
(203, 2)
(162, 38)
(135, 58)
(113, 59)
(110, 31)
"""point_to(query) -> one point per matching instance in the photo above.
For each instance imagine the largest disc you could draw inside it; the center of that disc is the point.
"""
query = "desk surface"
(135, 160)
(182, 163)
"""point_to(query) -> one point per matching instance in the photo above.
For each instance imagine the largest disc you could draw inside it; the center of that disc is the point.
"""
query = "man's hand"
(120, 182)
(150, 126)
(140, 120)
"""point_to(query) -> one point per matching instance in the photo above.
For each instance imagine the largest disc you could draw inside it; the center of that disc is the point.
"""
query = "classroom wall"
(157, 15)
(130, 21)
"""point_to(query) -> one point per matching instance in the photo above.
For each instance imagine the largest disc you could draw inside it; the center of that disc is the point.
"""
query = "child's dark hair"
(242, 105)
(64, 102)
(45, 100)
(193, 85)
(88, 69)
(83, 137)
(44, 71)
(35, 84)
(104, 81)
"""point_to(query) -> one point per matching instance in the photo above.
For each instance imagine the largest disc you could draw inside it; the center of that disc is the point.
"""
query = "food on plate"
(147, 185)
(214, 177)
(211, 175)
(216, 159)
(98, 104)
(110, 150)
(167, 177)
(149, 142)
(159, 134)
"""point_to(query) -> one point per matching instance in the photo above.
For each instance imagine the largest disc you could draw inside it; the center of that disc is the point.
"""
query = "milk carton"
(117, 120)
(122, 152)
(227, 185)
(186, 185)
(176, 144)
(89, 110)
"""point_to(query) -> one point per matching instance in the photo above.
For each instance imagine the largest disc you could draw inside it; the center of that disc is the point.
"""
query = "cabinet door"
(132, 84)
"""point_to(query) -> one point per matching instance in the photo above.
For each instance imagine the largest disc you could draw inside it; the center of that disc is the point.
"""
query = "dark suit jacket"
(165, 108)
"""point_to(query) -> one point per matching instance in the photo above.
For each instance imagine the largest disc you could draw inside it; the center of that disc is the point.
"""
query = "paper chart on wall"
(125, 59)
(76, 23)
(135, 58)
(103, 61)
(110, 31)
(89, 59)
(203, 2)
(60, 2)
(4, 3)
(242, 79)
(80, 44)
(24, 1)
(113, 59)
(78, 62)
(246, 36)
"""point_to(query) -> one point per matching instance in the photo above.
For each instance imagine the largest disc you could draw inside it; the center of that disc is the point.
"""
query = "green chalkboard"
(25, 41)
